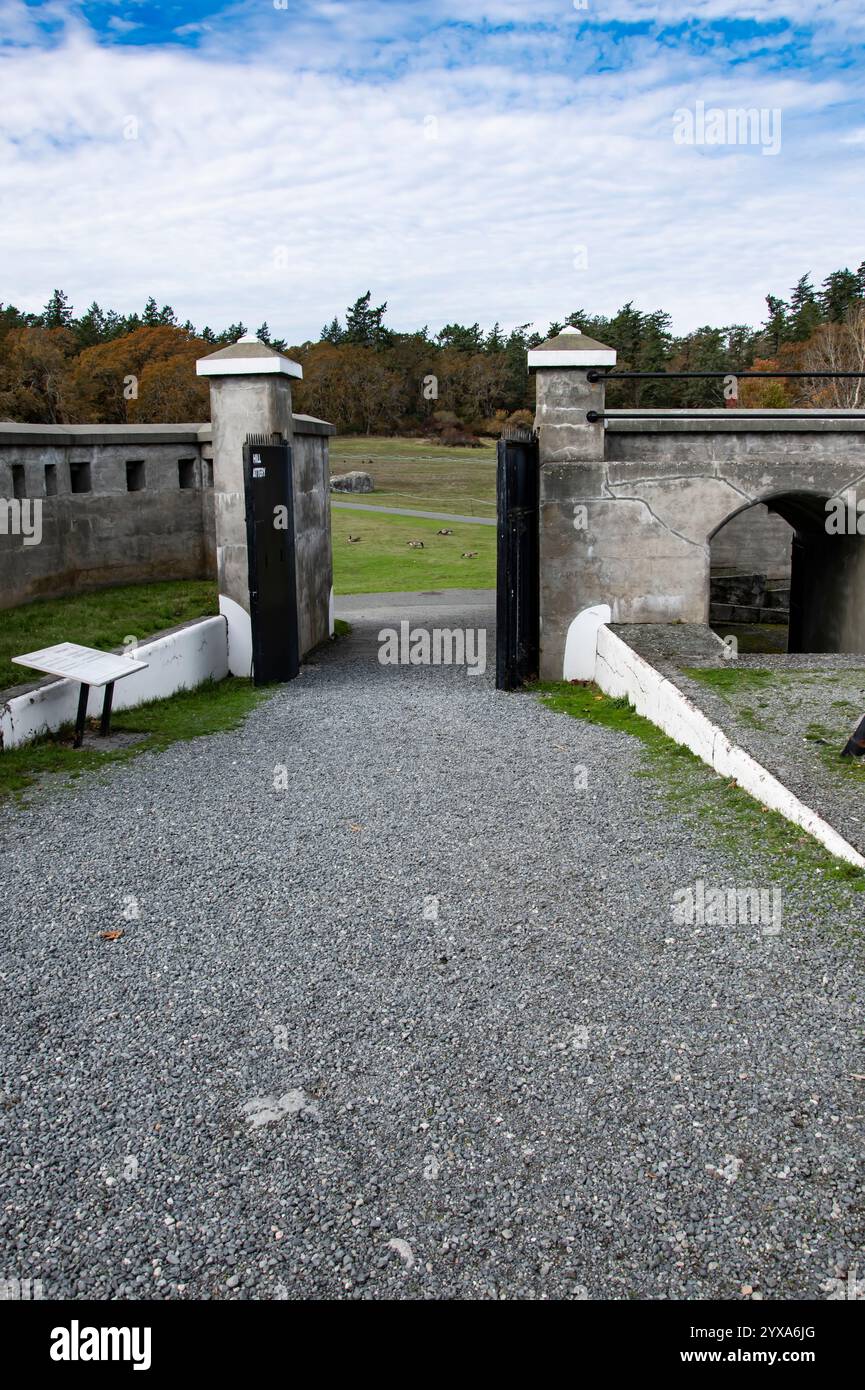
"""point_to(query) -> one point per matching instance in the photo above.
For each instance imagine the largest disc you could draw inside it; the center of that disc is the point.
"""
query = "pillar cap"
(571, 348)
(249, 356)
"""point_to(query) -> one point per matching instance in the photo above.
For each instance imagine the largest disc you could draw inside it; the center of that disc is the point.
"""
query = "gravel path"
(419, 1026)
(407, 511)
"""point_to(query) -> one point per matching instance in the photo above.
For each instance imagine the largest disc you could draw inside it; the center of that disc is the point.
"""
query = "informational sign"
(85, 664)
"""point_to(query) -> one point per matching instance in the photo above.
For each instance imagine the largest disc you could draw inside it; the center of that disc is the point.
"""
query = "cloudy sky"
(506, 160)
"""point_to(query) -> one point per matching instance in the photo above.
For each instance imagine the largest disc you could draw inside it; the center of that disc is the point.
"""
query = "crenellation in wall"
(106, 535)
(109, 535)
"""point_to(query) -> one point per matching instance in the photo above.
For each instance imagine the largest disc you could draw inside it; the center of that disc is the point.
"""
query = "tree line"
(459, 383)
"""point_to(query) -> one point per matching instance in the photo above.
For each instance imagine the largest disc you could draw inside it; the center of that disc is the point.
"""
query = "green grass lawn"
(754, 638)
(382, 562)
(414, 473)
(102, 619)
(208, 709)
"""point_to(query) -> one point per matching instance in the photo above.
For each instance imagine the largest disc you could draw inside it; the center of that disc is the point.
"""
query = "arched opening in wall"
(749, 597)
(786, 576)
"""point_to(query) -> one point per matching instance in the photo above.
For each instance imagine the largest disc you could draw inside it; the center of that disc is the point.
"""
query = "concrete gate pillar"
(572, 474)
(250, 393)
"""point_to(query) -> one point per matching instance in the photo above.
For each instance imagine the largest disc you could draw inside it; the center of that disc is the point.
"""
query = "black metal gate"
(518, 578)
(270, 541)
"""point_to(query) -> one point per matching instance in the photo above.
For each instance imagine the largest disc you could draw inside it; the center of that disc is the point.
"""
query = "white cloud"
(239, 156)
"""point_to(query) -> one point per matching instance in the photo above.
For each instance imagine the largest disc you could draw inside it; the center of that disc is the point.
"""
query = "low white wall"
(619, 670)
(178, 661)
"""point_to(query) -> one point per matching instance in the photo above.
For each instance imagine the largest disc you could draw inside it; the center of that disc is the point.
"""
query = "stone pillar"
(573, 478)
(250, 393)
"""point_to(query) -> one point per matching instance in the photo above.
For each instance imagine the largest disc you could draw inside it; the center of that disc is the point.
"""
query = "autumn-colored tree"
(169, 393)
(778, 393)
(837, 347)
(34, 374)
(107, 380)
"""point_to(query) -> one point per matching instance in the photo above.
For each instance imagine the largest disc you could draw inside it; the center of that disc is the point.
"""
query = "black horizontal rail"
(682, 412)
(596, 374)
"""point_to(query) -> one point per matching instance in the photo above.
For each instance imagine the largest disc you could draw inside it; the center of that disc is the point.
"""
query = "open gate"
(518, 570)
(270, 546)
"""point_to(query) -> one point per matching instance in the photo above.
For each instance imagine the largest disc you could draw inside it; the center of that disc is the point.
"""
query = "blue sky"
(472, 159)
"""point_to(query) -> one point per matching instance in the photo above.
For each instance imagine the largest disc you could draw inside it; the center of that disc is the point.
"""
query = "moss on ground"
(211, 708)
(736, 820)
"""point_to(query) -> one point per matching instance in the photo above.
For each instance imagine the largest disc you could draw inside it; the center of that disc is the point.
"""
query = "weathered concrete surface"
(565, 434)
(106, 535)
(756, 541)
(794, 723)
(634, 529)
(312, 538)
(240, 406)
(250, 394)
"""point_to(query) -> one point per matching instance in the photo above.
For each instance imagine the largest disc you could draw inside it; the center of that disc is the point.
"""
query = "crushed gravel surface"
(398, 1011)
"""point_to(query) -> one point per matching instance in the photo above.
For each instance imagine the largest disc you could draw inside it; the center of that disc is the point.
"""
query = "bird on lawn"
(415, 545)
(444, 533)
(352, 540)
(469, 554)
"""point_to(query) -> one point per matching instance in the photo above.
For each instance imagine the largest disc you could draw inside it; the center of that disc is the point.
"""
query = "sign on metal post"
(267, 472)
(89, 667)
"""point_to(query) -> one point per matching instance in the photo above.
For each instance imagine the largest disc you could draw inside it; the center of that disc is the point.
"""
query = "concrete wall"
(313, 546)
(110, 535)
(178, 660)
(755, 542)
(107, 535)
(634, 528)
(622, 672)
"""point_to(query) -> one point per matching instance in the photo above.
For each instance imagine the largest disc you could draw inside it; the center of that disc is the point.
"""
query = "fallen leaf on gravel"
(111, 935)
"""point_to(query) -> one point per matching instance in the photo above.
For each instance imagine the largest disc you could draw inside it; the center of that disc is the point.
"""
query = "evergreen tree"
(233, 332)
(263, 335)
(332, 332)
(494, 341)
(91, 327)
(838, 294)
(805, 315)
(776, 327)
(365, 325)
(464, 339)
(57, 312)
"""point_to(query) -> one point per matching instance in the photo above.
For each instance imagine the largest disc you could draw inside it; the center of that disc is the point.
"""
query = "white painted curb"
(619, 670)
(178, 661)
